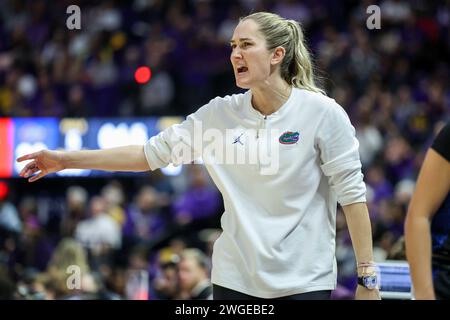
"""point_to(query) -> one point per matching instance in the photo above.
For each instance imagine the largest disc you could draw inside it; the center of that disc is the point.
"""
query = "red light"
(4, 190)
(142, 75)
(6, 147)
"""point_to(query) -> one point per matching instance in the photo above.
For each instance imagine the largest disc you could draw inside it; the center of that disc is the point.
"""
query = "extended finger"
(30, 172)
(28, 167)
(29, 156)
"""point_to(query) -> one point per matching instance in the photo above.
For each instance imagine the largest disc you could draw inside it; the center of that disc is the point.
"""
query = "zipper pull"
(257, 131)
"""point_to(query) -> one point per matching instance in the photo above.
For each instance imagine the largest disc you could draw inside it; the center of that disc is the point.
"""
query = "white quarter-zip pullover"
(278, 226)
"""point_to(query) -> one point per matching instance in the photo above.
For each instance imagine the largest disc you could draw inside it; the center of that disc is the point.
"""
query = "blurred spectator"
(9, 217)
(76, 207)
(193, 272)
(78, 106)
(68, 253)
(165, 284)
(368, 135)
(399, 159)
(405, 107)
(381, 187)
(144, 218)
(69, 276)
(403, 192)
(389, 225)
(363, 59)
(99, 232)
(137, 283)
(114, 198)
(157, 95)
(32, 233)
(200, 201)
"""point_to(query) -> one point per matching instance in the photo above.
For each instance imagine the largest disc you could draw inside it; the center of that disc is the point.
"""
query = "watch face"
(370, 282)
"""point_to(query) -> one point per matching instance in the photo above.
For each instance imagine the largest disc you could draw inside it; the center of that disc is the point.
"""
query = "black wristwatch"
(369, 281)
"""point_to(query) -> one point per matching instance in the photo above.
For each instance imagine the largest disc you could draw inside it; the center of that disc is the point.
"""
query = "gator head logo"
(289, 137)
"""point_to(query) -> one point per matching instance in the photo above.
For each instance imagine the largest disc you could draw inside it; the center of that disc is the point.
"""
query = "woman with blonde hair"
(69, 261)
(297, 158)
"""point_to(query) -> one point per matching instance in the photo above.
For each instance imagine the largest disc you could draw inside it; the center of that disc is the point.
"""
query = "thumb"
(37, 176)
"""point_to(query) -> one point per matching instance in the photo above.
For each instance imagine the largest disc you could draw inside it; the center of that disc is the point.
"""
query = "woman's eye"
(242, 45)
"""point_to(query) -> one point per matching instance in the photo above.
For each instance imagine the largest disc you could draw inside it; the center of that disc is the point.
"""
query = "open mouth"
(242, 70)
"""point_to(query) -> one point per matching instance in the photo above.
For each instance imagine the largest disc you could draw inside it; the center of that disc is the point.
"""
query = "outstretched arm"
(433, 185)
(127, 158)
(158, 150)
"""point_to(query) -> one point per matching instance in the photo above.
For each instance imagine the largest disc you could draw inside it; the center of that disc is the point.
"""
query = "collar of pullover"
(255, 114)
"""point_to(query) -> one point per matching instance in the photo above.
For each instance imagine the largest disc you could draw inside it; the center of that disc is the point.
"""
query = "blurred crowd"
(153, 240)
(147, 240)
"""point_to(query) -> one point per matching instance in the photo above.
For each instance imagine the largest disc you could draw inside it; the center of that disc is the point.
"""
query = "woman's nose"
(236, 54)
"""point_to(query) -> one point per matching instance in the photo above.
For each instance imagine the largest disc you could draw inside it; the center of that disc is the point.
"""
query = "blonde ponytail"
(296, 68)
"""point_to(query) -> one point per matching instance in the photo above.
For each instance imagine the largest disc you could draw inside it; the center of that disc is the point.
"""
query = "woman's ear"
(278, 55)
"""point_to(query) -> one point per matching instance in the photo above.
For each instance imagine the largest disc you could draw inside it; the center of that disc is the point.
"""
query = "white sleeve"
(339, 156)
(180, 143)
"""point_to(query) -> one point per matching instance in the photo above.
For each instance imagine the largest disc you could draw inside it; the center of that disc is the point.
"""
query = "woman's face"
(250, 59)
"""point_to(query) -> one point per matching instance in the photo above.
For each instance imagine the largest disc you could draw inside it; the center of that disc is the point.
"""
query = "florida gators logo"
(289, 137)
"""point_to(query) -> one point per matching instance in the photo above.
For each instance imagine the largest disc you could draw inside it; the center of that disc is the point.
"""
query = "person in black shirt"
(428, 244)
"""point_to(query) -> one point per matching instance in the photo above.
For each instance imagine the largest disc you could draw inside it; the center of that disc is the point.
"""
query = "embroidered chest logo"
(238, 139)
(289, 137)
